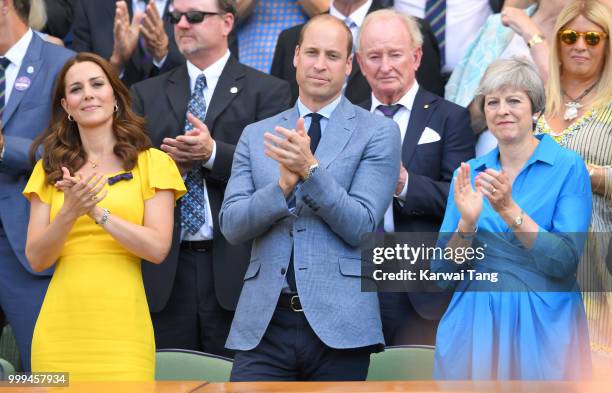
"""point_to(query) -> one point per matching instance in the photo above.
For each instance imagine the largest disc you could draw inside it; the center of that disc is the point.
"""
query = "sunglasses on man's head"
(193, 17)
(592, 38)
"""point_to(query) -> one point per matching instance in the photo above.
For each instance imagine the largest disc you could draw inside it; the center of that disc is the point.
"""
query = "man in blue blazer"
(301, 313)
(28, 68)
(436, 138)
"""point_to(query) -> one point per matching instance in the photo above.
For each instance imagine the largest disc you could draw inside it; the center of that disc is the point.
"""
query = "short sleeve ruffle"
(159, 172)
(38, 185)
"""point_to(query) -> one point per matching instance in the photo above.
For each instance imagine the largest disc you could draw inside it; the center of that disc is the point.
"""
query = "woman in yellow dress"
(101, 200)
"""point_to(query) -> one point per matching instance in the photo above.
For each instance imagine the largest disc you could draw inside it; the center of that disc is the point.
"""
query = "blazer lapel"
(422, 109)
(179, 92)
(229, 85)
(337, 133)
(30, 68)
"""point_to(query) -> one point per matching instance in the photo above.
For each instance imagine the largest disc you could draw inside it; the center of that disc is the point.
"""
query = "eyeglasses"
(193, 17)
(592, 38)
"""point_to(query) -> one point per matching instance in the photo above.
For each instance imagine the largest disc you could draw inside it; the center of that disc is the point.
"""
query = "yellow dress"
(95, 321)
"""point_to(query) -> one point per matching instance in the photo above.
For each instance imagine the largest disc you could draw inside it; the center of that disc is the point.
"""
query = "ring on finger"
(493, 190)
(93, 197)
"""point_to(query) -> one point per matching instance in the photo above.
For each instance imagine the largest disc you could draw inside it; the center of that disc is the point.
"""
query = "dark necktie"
(435, 14)
(4, 63)
(389, 110)
(193, 207)
(314, 131)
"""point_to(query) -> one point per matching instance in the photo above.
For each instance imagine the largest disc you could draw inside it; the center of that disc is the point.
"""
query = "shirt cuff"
(211, 160)
(401, 198)
(160, 64)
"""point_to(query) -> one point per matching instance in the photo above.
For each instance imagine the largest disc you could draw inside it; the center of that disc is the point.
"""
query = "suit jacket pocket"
(350, 266)
(252, 270)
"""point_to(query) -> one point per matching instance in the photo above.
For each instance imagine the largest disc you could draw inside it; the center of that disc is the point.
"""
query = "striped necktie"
(4, 63)
(435, 14)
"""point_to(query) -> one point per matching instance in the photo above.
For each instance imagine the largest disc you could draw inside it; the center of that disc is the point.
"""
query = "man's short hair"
(227, 6)
(22, 8)
(411, 24)
(349, 35)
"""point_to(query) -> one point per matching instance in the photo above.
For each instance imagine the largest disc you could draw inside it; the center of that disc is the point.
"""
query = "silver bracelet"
(104, 218)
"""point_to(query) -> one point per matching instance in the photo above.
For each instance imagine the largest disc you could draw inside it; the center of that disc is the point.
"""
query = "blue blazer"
(26, 114)
(346, 198)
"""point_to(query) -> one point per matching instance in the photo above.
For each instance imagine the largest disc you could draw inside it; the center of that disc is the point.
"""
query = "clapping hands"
(81, 195)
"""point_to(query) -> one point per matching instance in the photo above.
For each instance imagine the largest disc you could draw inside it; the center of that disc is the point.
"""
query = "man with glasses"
(196, 113)
(306, 198)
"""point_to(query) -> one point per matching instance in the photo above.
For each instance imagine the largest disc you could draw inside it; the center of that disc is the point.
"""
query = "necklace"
(93, 164)
(572, 106)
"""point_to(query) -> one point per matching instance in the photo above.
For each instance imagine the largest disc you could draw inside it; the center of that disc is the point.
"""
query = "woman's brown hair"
(61, 143)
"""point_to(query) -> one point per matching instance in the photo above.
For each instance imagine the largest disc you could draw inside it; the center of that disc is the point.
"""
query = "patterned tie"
(193, 207)
(389, 110)
(4, 63)
(314, 131)
(435, 14)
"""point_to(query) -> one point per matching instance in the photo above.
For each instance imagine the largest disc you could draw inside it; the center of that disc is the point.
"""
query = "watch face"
(518, 221)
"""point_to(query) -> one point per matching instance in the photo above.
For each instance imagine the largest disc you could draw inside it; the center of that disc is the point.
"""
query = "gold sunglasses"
(592, 38)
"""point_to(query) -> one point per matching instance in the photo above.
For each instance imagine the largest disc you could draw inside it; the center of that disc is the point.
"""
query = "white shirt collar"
(18, 51)
(407, 99)
(357, 16)
(212, 72)
(326, 111)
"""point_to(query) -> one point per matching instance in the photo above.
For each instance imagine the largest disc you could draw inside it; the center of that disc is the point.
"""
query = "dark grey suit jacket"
(93, 32)
(242, 96)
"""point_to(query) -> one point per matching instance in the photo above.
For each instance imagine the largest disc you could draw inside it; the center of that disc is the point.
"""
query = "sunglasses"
(592, 38)
(193, 17)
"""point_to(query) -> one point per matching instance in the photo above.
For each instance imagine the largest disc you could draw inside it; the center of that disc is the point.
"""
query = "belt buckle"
(293, 306)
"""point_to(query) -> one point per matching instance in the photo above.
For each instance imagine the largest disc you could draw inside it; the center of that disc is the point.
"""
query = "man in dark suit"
(192, 294)
(436, 138)
(138, 43)
(28, 69)
(357, 89)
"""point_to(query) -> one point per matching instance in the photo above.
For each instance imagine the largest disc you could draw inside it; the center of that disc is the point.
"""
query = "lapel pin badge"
(426, 106)
(30, 70)
(234, 90)
(22, 83)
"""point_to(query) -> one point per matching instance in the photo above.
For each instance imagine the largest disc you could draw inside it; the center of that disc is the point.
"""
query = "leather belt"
(290, 301)
(198, 245)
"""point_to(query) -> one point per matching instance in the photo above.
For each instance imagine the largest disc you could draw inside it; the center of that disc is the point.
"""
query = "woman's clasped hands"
(81, 195)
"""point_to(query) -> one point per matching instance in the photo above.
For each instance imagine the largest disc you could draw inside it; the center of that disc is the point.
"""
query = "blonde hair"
(411, 24)
(598, 13)
(38, 14)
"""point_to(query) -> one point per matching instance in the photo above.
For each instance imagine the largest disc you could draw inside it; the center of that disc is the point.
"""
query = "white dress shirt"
(356, 16)
(15, 54)
(464, 18)
(212, 74)
(401, 117)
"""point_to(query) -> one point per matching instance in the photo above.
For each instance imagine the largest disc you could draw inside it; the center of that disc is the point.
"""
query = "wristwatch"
(311, 170)
(535, 39)
(518, 220)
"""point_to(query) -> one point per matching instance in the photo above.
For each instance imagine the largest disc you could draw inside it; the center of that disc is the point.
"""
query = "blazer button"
(283, 271)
